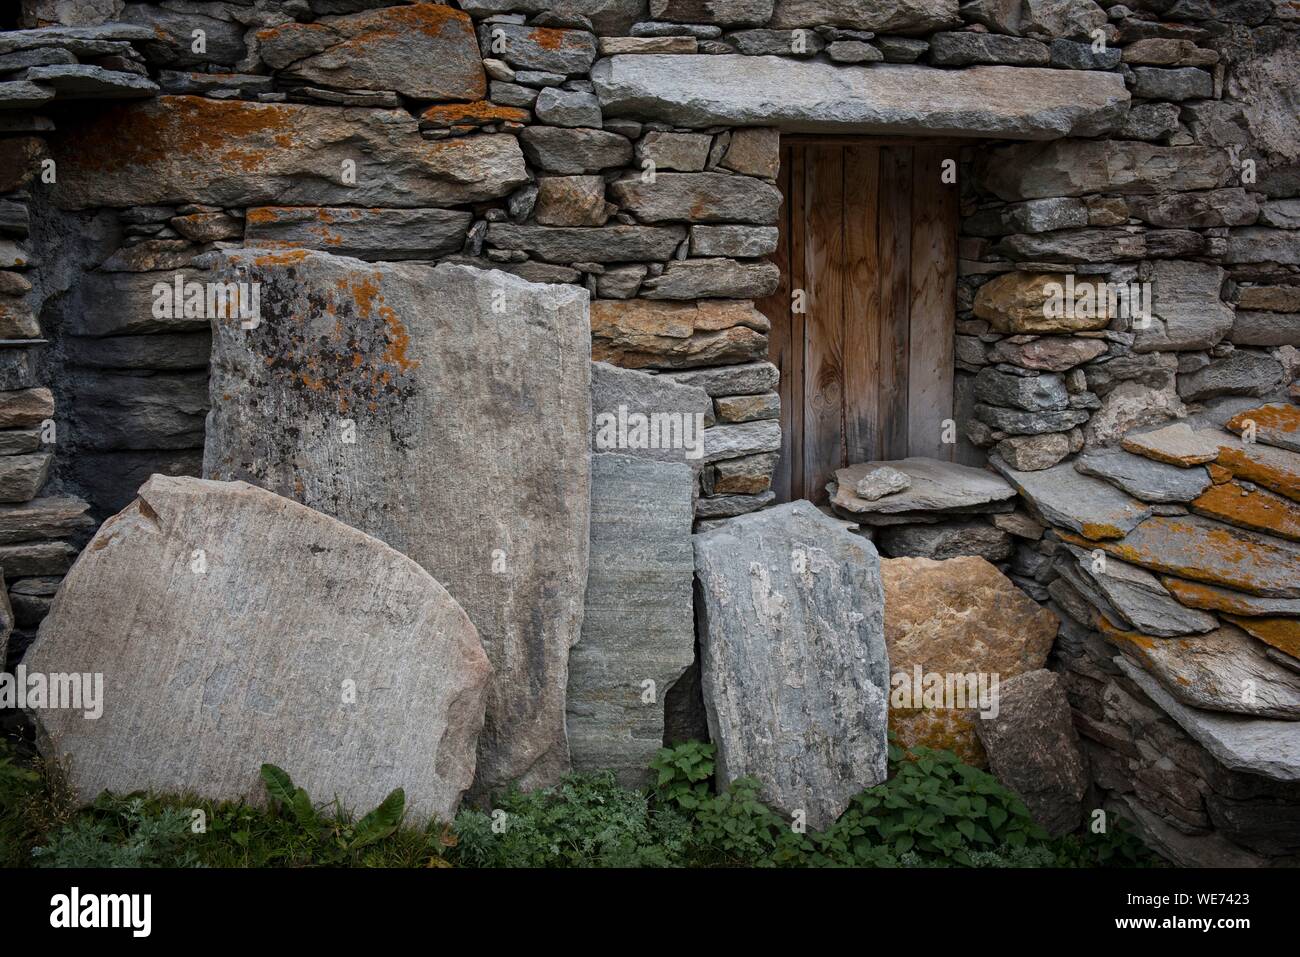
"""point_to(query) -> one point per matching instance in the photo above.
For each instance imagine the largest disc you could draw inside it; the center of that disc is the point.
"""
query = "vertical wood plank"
(783, 350)
(793, 444)
(823, 435)
(895, 244)
(934, 296)
(861, 304)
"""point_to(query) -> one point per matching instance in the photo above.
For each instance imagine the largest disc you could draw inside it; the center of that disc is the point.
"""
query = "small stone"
(570, 151)
(571, 201)
(745, 242)
(1144, 478)
(686, 152)
(1033, 453)
(853, 51)
(569, 108)
(880, 482)
(945, 540)
(748, 408)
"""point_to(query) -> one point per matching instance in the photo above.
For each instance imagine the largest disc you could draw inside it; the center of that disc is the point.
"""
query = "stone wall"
(631, 147)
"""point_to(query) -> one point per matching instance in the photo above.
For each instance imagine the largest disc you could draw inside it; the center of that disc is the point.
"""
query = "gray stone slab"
(673, 416)
(1144, 478)
(1068, 499)
(470, 453)
(638, 628)
(812, 96)
(284, 637)
(793, 661)
(373, 234)
(1138, 596)
(936, 486)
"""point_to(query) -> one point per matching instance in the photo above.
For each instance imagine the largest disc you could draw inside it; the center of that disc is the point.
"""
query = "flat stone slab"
(372, 234)
(1178, 444)
(648, 416)
(469, 450)
(1215, 598)
(1250, 507)
(792, 657)
(1264, 746)
(1277, 423)
(1188, 546)
(805, 96)
(1144, 478)
(284, 636)
(936, 486)
(1067, 499)
(83, 81)
(638, 629)
(1138, 596)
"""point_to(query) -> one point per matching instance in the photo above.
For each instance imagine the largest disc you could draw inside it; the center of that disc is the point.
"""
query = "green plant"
(682, 774)
(121, 833)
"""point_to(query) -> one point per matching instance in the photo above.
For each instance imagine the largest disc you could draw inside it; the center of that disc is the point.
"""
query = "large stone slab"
(1224, 670)
(1144, 478)
(1075, 168)
(427, 51)
(1136, 596)
(812, 96)
(638, 628)
(1276, 424)
(1249, 506)
(1255, 745)
(956, 618)
(792, 656)
(470, 452)
(1215, 598)
(672, 419)
(192, 149)
(1034, 750)
(936, 486)
(285, 636)
(1188, 546)
(1068, 499)
(387, 234)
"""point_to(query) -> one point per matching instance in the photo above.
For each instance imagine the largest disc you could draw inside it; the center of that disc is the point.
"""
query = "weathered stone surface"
(882, 16)
(728, 506)
(880, 482)
(741, 439)
(1148, 479)
(956, 617)
(1016, 422)
(1257, 746)
(612, 46)
(963, 49)
(686, 152)
(1276, 424)
(1034, 216)
(607, 244)
(567, 151)
(23, 476)
(84, 81)
(1261, 244)
(936, 486)
(1242, 372)
(721, 12)
(448, 386)
(1274, 468)
(744, 379)
(1187, 312)
(1070, 55)
(1050, 354)
(699, 198)
(58, 516)
(1150, 121)
(754, 151)
(1137, 596)
(1101, 245)
(713, 278)
(1176, 444)
(641, 333)
(77, 39)
(571, 201)
(1068, 499)
(1074, 168)
(740, 241)
(1188, 546)
(1265, 329)
(792, 43)
(807, 96)
(1248, 506)
(638, 624)
(1214, 598)
(1214, 207)
(371, 234)
(793, 659)
(191, 702)
(1282, 634)
(1224, 670)
(613, 17)
(1028, 302)
(1186, 83)
(1032, 453)
(539, 48)
(1033, 749)
(170, 39)
(1035, 393)
(23, 95)
(188, 149)
(945, 540)
(1061, 18)
(747, 475)
(22, 407)
(748, 408)
(617, 394)
(129, 410)
(567, 108)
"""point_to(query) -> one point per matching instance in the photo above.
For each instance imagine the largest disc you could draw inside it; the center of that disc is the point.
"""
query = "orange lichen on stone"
(549, 38)
(1218, 474)
(1263, 468)
(479, 112)
(1282, 633)
(1098, 531)
(1262, 511)
(1277, 417)
(287, 258)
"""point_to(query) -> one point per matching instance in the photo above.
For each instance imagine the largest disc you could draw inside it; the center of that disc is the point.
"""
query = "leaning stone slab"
(373, 234)
(1067, 499)
(399, 399)
(792, 656)
(274, 617)
(1214, 598)
(1144, 478)
(1176, 444)
(1034, 750)
(1270, 748)
(812, 96)
(192, 149)
(638, 629)
(1138, 597)
(936, 486)
(1188, 546)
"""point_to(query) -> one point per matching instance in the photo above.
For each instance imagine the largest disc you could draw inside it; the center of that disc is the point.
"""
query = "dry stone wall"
(1147, 149)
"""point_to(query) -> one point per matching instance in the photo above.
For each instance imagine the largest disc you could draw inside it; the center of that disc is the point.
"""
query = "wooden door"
(862, 326)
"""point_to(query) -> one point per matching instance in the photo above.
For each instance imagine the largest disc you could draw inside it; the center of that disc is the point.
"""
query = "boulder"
(361, 376)
(287, 638)
(192, 149)
(425, 51)
(371, 234)
(638, 628)
(956, 618)
(813, 96)
(1033, 749)
(1068, 499)
(792, 657)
